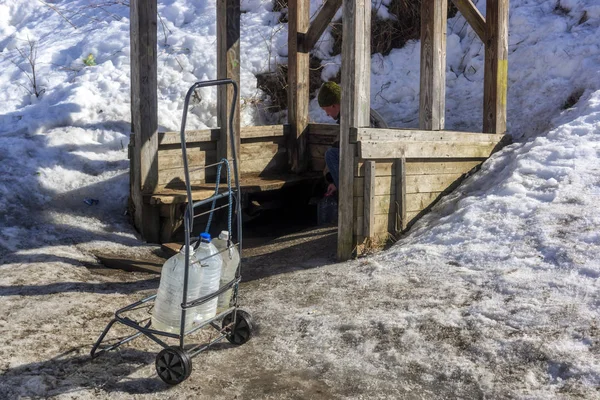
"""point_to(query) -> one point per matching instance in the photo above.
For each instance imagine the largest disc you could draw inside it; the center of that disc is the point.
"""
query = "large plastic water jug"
(231, 261)
(210, 271)
(166, 315)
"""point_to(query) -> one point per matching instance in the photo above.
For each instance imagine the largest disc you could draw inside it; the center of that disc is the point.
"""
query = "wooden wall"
(426, 180)
(263, 151)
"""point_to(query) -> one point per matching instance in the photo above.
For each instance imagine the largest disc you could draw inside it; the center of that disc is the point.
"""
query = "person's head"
(330, 96)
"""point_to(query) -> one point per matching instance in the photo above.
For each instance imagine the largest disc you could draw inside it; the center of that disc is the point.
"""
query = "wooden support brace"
(400, 178)
(319, 24)
(228, 66)
(495, 83)
(433, 64)
(369, 200)
(473, 16)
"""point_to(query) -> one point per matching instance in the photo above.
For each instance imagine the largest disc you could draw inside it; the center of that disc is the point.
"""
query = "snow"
(494, 294)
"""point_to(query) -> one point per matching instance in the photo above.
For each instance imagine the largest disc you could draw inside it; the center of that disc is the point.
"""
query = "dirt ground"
(365, 329)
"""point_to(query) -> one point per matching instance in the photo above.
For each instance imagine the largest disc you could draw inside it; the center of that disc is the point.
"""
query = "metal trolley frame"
(173, 363)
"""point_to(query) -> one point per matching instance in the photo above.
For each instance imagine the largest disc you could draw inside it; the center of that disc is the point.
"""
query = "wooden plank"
(192, 136)
(144, 114)
(172, 158)
(381, 205)
(422, 166)
(149, 264)
(400, 197)
(228, 66)
(382, 224)
(298, 85)
(264, 131)
(495, 80)
(431, 183)
(321, 139)
(433, 64)
(385, 205)
(384, 185)
(356, 89)
(324, 129)
(468, 10)
(259, 150)
(273, 165)
(317, 163)
(386, 150)
(318, 151)
(173, 176)
(369, 199)
(319, 24)
(415, 135)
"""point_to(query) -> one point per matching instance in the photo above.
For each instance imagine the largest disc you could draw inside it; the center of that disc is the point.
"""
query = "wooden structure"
(388, 178)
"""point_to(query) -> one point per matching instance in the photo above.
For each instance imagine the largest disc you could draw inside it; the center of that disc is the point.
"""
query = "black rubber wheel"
(173, 365)
(242, 331)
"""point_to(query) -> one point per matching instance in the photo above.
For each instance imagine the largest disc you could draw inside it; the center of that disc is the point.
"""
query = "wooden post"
(298, 85)
(495, 84)
(369, 200)
(400, 178)
(228, 66)
(144, 112)
(356, 92)
(433, 64)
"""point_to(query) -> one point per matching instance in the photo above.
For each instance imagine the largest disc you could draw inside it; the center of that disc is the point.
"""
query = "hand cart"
(173, 363)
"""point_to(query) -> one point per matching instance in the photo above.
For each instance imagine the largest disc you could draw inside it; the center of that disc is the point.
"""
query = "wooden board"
(438, 149)
(415, 202)
(320, 23)
(473, 16)
(386, 185)
(422, 167)
(416, 135)
(332, 130)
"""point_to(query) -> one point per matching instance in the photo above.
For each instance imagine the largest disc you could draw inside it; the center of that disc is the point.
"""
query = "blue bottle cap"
(205, 236)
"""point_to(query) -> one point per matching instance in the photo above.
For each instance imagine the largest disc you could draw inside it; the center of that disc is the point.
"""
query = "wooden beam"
(298, 85)
(356, 90)
(400, 198)
(144, 112)
(228, 66)
(416, 135)
(433, 64)
(371, 149)
(495, 83)
(469, 10)
(319, 24)
(369, 199)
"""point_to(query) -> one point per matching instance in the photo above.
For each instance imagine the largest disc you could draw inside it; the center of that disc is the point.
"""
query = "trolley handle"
(217, 82)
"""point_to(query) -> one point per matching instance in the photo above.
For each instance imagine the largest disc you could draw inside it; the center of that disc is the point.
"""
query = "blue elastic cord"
(212, 208)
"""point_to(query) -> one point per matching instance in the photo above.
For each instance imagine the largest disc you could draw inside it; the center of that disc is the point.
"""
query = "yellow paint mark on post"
(502, 81)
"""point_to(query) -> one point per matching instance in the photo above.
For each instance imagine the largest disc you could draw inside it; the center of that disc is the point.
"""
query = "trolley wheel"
(173, 365)
(241, 332)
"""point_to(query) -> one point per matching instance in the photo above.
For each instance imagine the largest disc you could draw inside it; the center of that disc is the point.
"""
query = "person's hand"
(331, 189)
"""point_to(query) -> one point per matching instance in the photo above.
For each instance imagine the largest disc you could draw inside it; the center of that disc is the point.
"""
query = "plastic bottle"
(210, 271)
(166, 315)
(231, 261)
